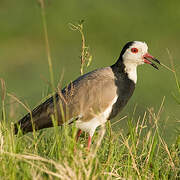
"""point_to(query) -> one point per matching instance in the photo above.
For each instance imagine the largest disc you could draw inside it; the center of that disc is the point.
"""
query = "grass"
(53, 153)
(138, 153)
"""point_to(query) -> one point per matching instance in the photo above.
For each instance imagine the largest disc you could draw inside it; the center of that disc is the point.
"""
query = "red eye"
(134, 50)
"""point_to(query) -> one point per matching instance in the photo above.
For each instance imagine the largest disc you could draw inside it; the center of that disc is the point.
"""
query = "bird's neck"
(126, 67)
(131, 70)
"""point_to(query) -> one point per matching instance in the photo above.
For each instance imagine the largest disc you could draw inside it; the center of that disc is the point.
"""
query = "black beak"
(147, 56)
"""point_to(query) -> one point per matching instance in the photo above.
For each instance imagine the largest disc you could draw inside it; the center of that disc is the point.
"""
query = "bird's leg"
(77, 137)
(78, 134)
(89, 139)
(89, 143)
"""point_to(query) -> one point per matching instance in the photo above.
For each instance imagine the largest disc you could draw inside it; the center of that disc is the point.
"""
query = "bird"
(93, 98)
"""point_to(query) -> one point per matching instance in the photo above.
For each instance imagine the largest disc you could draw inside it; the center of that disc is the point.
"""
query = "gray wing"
(90, 94)
(84, 98)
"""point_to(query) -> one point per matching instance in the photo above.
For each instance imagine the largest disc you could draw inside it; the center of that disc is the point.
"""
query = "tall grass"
(140, 154)
(54, 154)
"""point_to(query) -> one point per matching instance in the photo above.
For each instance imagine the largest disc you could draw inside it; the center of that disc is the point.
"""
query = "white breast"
(90, 126)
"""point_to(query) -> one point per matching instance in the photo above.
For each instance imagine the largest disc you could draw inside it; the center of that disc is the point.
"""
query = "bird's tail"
(39, 118)
(28, 123)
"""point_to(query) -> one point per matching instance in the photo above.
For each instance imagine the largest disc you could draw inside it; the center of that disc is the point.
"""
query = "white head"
(133, 54)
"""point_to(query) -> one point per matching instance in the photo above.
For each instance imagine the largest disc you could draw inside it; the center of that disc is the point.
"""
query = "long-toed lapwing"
(93, 98)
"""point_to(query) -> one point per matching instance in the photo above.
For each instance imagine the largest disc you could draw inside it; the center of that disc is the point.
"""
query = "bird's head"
(135, 53)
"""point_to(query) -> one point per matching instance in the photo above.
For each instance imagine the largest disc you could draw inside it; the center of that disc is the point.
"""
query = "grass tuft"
(141, 154)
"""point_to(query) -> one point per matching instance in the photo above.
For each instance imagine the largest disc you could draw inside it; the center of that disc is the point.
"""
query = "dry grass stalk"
(85, 54)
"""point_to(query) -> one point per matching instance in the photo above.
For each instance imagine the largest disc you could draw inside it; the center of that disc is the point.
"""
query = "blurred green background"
(108, 26)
